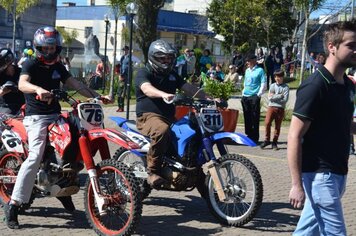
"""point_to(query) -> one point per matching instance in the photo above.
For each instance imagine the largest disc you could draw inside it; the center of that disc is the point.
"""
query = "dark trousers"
(121, 93)
(158, 129)
(276, 114)
(251, 110)
(270, 78)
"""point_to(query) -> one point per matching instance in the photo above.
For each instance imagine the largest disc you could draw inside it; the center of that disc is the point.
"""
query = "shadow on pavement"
(268, 219)
(76, 220)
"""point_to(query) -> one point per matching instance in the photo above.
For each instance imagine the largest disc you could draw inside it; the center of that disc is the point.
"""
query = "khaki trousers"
(157, 128)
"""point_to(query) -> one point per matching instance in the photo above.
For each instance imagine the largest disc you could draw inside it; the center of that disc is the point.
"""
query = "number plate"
(212, 119)
(91, 113)
(12, 141)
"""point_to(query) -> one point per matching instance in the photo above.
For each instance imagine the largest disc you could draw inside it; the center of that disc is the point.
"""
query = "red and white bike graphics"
(111, 198)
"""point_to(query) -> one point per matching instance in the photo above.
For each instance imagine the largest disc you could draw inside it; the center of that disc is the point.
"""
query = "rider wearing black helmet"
(11, 99)
(155, 82)
(38, 77)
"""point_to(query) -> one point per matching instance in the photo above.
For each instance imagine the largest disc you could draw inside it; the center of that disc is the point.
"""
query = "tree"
(147, 23)
(17, 7)
(307, 7)
(68, 37)
(117, 7)
(254, 22)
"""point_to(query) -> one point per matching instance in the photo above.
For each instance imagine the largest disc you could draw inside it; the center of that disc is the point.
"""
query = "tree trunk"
(111, 92)
(304, 46)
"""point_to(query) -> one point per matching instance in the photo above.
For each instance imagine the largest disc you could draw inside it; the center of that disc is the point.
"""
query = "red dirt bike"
(112, 203)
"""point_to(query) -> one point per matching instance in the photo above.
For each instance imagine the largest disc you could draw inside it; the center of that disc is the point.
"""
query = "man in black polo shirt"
(319, 136)
(155, 82)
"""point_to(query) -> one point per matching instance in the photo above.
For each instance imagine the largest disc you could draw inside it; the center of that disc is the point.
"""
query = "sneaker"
(265, 144)
(274, 146)
(67, 203)
(155, 181)
(120, 110)
(11, 216)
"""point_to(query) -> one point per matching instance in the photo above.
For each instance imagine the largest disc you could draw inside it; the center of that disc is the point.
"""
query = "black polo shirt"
(329, 106)
(48, 77)
(168, 84)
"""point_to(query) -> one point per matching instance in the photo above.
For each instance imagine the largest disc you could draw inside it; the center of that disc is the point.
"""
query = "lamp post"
(107, 22)
(131, 10)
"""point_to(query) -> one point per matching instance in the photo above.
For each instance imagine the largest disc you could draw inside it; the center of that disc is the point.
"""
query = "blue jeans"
(322, 213)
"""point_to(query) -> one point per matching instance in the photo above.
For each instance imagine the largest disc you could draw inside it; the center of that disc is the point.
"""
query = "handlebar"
(180, 99)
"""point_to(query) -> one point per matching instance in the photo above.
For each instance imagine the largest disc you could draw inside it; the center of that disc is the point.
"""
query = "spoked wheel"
(138, 166)
(122, 208)
(243, 188)
(10, 164)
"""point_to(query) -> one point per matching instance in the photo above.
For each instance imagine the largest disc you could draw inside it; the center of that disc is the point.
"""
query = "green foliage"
(118, 5)
(256, 22)
(68, 36)
(21, 5)
(219, 89)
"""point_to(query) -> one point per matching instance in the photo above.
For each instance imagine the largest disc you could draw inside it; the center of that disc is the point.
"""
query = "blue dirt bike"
(230, 183)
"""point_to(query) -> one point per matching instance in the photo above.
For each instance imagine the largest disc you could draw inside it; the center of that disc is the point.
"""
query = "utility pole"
(14, 27)
(352, 9)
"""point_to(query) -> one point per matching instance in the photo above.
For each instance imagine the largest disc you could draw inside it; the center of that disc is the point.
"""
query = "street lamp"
(107, 22)
(131, 10)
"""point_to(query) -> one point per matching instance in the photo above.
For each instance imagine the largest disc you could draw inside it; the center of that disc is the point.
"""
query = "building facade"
(181, 29)
(26, 25)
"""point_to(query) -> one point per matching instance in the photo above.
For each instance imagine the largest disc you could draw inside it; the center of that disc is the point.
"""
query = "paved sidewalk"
(185, 213)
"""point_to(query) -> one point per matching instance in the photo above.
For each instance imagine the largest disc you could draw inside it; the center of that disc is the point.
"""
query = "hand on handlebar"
(106, 99)
(44, 95)
(168, 98)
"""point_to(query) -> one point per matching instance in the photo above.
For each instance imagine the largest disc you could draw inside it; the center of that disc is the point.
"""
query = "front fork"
(101, 201)
(211, 166)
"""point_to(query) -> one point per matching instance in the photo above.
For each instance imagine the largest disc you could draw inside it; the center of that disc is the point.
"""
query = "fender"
(113, 136)
(236, 137)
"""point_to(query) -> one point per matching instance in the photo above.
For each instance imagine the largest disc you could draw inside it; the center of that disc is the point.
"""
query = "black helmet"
(6, 58)
(159, 50)
(47, 36)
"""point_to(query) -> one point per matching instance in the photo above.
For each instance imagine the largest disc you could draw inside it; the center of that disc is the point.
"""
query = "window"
(180, 40)
(88, 31)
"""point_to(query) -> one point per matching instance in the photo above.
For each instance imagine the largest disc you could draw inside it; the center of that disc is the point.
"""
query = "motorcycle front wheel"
(10, 164)
(123, 207)
(243, 188)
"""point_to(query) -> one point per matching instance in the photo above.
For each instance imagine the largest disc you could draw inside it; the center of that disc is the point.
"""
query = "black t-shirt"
(329, 106)
(168, 84)
(13, 100)
(48, 77)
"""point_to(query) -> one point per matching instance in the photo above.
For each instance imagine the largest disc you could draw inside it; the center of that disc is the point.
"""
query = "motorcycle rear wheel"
(243, 188)
(135, 163)
(10, 164)
(123, 211)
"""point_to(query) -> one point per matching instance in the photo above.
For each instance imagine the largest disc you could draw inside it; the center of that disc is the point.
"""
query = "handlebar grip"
(168, 101)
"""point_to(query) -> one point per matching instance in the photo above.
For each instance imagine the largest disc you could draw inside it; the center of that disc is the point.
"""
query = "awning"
(185, 30)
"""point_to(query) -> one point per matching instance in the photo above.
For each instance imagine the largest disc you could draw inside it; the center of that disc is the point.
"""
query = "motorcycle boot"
(67, 203)
(154, 178)
(11, 215)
